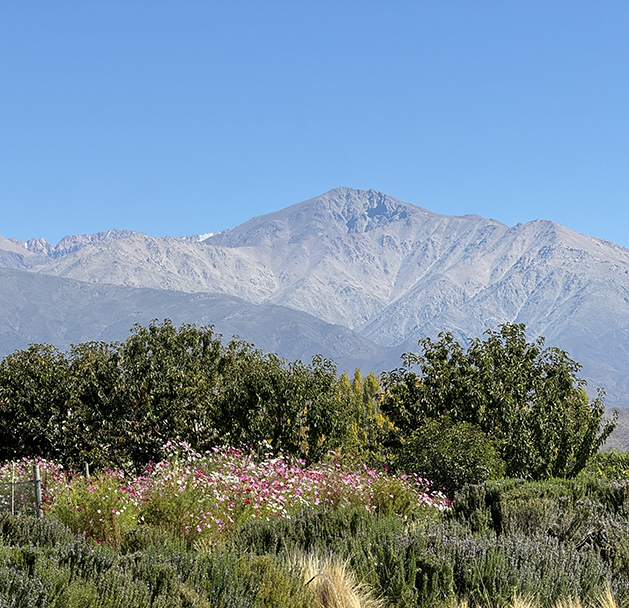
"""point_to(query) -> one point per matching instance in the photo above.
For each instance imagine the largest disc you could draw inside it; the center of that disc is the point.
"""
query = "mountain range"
(354, 275)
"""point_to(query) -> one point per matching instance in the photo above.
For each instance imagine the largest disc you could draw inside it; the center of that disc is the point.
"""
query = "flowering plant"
(196, 495)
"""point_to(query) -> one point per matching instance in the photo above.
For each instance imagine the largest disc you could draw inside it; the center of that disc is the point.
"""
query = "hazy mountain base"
(387, 271)
(42, 309)
(619, 439)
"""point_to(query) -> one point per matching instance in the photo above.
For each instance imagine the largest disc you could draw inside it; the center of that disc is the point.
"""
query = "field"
(228, 528)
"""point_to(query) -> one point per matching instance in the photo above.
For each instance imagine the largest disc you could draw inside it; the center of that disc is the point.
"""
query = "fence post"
(12, 488)
(37, 484)
(86, 470)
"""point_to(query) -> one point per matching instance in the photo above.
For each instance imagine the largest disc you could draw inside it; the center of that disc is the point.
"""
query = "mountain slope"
(53, 310)
(387, 270)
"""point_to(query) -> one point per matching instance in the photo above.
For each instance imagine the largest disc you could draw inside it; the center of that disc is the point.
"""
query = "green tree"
(351, 393)
(119, 404)
(34, 403)
(169, 380)
(292, 407)
(96, 429)
(523, 396)
(367, 425)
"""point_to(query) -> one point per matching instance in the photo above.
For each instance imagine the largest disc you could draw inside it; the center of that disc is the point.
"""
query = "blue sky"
(186, 117)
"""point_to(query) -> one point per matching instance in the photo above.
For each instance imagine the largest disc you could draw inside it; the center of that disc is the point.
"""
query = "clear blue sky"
(185, 117)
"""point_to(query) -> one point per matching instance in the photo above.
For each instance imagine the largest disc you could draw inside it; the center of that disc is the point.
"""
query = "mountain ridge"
(388, 271)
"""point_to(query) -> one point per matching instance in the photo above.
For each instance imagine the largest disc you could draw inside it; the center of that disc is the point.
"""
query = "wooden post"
(37, 484)
(12, 488)
(86, 470)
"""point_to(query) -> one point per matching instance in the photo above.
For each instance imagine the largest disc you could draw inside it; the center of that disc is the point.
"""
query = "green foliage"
(34, 403)
(45, 565)
(96, 394)
(526, 398)
(293, 407)
(428, 564)
(119, 404)
(550, 540)
(392, 496)
(610, 465)
(450, 455)
(169, 376)
(367, 426)
(102, 511)
(547, 507)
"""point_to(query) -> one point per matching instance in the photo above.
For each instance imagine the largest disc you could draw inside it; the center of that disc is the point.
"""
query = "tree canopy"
(120, 403)
(521, 405)
(524, 397)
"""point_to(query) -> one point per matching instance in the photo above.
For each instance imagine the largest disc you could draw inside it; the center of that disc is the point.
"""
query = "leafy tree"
(34, 403)
(97, 401)
(367, 425)
(256, 403)
(325, 417)
(352, 397)
(290, 406)
(169, 379)
(525, 397)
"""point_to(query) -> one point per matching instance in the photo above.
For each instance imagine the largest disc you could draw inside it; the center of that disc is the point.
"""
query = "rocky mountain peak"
(72, 243)
(337, 212)
(365, 210)
(34, 245)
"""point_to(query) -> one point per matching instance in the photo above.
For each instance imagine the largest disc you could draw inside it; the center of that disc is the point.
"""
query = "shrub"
(610, 465)
(101, 507)
(514, 505)
(451, 454)
(44, 564)
(427, 563)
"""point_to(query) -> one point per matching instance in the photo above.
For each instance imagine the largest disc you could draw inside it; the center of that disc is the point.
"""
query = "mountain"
(44, 309)
(386, 271)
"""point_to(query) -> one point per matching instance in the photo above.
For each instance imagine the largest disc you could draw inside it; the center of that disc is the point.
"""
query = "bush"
(101, 507)
(559, 507)
(451, 454)
(43, 564)
(427, 564)
(610, 465)
(417, 562)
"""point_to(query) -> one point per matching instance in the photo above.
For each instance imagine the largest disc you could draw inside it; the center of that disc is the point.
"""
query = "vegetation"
(228, 477)
(118, 404)
(526, 399)
(553, 541)
(451, 454)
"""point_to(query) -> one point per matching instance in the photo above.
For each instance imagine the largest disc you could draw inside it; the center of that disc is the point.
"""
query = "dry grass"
(569, 603)
(333, 584)
(607, 600)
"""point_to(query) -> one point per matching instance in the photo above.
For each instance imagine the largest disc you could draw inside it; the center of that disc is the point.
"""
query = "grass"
(334, 585)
